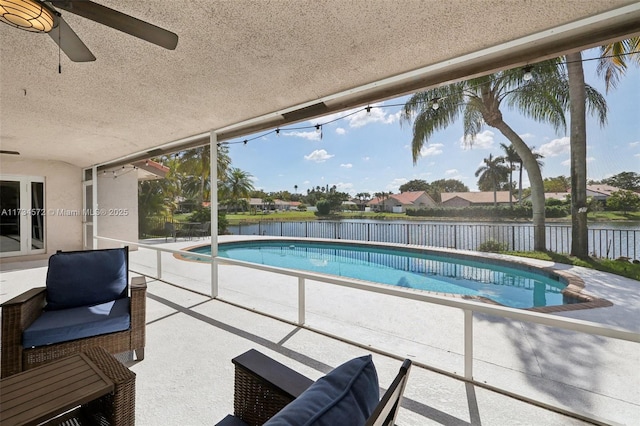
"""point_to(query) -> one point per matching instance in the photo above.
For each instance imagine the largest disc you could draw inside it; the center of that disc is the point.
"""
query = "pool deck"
(187, 377)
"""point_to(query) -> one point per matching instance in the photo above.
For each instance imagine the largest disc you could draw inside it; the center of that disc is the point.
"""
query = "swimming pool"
(416, 269)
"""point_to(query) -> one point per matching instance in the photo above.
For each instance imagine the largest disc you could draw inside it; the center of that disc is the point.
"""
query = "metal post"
(94, 207)
(213, 157)
(301, 301)
(468, 344)
(159, 264)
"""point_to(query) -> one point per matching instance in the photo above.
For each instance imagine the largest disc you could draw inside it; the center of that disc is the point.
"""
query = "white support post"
(158, 264)
(468, 344)
(301, 301)
(94, 206)
(213, 157)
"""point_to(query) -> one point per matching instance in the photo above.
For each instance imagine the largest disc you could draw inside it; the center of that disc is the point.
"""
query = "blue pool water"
(508, 286)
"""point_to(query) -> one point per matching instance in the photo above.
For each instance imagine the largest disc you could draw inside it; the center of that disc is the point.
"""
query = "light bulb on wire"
(527, 76)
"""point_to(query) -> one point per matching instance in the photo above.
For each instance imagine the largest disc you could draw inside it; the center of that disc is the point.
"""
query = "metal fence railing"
(603, 243)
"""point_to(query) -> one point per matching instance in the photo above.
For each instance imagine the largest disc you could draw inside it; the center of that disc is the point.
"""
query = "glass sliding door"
(22, 215)
(87, 217)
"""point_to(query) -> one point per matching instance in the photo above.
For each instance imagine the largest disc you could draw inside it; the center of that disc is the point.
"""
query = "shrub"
(324, 207)
(492, 246)
(204, 215)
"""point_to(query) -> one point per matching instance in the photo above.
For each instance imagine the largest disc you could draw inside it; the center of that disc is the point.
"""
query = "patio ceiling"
(243, 66)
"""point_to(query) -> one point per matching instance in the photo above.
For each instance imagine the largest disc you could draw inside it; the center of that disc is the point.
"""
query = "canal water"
(606, 240)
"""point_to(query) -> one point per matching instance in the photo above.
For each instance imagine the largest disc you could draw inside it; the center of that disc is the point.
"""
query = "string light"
(434, 104)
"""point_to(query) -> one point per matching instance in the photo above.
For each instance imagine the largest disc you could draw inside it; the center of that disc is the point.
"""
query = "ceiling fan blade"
(120, 21)
(70, 43)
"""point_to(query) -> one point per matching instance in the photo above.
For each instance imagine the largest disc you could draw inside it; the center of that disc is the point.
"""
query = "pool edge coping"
(575, 286)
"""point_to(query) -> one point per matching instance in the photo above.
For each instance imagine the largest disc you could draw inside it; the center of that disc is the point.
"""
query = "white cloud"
(366, 158)
(483, 140)
(566, 163)
(451, 172)
(394, 186)
(637, 155)
(319, 156)
(591, 159)
(634, 144)
(306, 182)
(346, 166)
(311, 135)
(555, 147)
(253, 178)
(431, 149)
(527, 136)
(340, 131)
(344, 187)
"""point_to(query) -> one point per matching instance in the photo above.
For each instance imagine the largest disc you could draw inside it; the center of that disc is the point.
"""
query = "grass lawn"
(235, 218)
(604, 216)
(618, 267)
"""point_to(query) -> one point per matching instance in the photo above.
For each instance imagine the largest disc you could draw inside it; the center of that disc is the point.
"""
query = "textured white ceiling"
(237, 60)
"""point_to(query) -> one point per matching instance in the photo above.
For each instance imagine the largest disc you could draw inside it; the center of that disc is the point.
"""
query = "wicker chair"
(263, 387)
(19, 313)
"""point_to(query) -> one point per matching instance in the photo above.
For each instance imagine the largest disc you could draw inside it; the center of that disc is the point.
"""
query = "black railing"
(604, 243)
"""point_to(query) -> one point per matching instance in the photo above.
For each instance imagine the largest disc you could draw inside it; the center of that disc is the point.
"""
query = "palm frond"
(613, 60)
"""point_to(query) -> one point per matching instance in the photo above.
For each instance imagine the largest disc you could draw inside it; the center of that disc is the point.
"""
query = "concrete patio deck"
(186, 377)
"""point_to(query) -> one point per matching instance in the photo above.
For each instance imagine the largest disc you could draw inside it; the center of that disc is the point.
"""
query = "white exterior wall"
(62, 191)
(118, 207)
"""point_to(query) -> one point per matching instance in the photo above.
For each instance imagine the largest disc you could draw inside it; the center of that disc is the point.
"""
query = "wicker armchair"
(19, 313)
(263, 387)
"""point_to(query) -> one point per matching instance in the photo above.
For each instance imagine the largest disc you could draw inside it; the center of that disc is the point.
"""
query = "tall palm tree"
(511, 157)
(239, 185)
(493, 173)
(538, 158)
(195, 163)
(611, 68)
(479, 102)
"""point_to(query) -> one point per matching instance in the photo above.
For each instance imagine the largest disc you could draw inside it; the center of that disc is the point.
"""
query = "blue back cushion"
(81, 278)
(346, 396)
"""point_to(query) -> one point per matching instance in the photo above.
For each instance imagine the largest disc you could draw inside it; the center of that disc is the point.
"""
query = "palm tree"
(611, 68)
(538, 158)
(195, 163)
(493, 172)
(511, 157)
(479, 101)
(239, 185)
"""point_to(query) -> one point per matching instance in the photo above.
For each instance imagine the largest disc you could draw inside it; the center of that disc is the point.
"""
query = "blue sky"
(371, 152)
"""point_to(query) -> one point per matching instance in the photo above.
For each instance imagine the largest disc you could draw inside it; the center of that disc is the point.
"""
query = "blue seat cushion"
(83, 278)
(76, 323)
(346, 396)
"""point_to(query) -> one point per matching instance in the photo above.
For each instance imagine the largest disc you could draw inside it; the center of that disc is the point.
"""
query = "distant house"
(400, 203)
(601, 192)
(562, 196)
(465, 199)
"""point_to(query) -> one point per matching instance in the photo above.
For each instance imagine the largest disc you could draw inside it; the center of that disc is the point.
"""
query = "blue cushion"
(83, 278)
(64, 325)
(346, 396)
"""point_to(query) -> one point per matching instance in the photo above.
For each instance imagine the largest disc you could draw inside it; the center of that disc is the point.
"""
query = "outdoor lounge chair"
(87, 302)
(267, 392)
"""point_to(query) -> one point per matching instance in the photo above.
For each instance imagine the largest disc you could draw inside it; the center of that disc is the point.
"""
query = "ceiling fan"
(43, 16)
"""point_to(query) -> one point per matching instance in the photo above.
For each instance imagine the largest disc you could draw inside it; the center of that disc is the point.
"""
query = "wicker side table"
(94, 385)
(119, 407)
